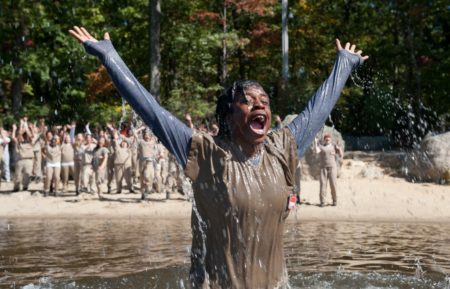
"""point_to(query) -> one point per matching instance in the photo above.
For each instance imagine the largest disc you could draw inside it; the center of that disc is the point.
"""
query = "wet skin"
(250, 120)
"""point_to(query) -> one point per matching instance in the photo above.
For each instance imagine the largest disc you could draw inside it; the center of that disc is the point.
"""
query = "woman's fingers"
(106, 36)
(350, 48)
(347, 46)
(338, 44)
(81, 34)
(87, 34)
(77, 36)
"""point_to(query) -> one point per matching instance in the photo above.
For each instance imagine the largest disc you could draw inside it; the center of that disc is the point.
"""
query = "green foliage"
(406, 75)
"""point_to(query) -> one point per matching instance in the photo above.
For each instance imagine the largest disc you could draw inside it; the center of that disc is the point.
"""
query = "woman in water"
(242, 178)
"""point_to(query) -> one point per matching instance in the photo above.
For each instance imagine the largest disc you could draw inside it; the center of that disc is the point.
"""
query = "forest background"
(402, 92)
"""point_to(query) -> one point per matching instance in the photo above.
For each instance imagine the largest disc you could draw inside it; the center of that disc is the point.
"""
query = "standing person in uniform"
(24, 154)
(146, 156)
(37, 150)
(67, 162)
(52, 155)
(6, 159)
(328, 168)
(110, 162)
(87, 171)
(78, 162)
(4, 141)
(243, 178)
(99, 162)
(162, 168)
(122, 162)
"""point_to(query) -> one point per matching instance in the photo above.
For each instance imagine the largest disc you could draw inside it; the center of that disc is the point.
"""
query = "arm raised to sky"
(172, 133)
(307, 124)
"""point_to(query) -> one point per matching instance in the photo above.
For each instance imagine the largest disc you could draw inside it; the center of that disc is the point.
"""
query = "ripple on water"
(129, 253)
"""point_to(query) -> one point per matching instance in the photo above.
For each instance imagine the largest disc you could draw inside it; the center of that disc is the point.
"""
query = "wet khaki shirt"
(239, 243)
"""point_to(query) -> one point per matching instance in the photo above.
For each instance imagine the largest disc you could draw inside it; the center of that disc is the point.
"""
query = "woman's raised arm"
(306, 125)
(172, 133)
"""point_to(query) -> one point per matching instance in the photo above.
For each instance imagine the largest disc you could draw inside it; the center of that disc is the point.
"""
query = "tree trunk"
(224, 72)
(16, 93)
(3, 103)
(155, 49)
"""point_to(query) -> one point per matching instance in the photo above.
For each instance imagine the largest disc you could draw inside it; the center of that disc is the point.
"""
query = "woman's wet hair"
(225, 101)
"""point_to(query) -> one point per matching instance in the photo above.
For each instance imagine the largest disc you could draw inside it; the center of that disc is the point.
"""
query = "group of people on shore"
(52, 155)
(97, 159)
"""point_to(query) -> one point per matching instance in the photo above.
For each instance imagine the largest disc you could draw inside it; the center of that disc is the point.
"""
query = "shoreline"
(386, 199)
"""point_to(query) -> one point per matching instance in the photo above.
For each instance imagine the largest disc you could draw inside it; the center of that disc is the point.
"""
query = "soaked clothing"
(243, 207)
(243, 204)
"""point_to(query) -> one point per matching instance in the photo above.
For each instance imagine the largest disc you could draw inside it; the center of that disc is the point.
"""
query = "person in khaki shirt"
(328, 169)
(67, 162)
(99, 162)
(243, 179)
(122, 163)
(52, 155)
(24, 153)
(87, 171)
(37, 149)
(4, 140)
(147, 155)
(78, 161)
(162, 168)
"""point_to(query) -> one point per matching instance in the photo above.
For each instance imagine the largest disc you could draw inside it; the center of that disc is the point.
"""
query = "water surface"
(140, 253)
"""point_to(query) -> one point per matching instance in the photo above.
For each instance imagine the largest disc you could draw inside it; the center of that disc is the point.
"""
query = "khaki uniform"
(87, 171)
(328, 171)
(1, 159)
(171, 184)
(37, 162)
(67, 164)
(24, 165)
(100, 173)
(110, 165)
(162, 168)
(53, 167)
(147, 159)
(122, 166)
(78, 166)
(244, 203)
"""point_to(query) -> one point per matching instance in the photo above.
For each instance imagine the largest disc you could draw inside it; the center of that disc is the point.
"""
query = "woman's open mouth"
(258, 124)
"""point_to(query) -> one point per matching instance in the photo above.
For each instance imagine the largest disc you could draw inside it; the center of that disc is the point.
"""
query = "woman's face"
(101, 142)
(66, 138)
(251, 116)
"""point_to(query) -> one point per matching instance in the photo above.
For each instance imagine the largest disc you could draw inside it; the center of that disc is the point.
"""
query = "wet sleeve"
(172, 133)
(205, 159)
(306, 125)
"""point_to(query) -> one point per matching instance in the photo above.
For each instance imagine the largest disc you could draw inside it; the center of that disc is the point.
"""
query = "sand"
(361, 197)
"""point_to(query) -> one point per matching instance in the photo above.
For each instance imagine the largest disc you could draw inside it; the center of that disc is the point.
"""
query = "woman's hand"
(91, 44)
(82, 35)
(350, 48)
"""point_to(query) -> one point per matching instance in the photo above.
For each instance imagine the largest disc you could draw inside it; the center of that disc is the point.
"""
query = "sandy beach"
(380, 198)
